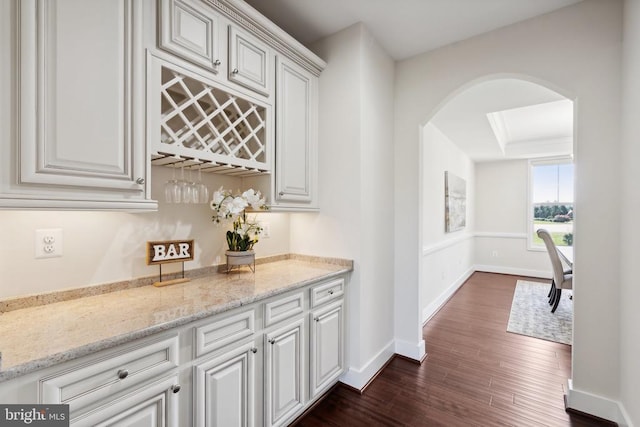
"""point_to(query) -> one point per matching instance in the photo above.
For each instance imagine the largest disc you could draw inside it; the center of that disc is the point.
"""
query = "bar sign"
(169, 251)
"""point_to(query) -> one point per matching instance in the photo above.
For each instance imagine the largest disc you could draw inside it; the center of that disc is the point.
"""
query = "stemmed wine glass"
(185, 189)
(194, 190)
(172, 191)
(203, 191)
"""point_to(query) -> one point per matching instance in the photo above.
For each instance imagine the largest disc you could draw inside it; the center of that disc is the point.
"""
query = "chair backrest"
(556, 264)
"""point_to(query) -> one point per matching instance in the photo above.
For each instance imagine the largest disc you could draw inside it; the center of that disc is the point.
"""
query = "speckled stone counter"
(37, 337)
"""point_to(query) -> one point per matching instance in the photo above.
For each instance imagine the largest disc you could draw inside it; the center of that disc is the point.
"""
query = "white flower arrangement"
(227, 206)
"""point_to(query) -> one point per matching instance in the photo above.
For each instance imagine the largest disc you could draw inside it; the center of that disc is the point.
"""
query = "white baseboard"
(597, 406)
(411, 350)
(359, 377)
(433, 308)
(515, 271)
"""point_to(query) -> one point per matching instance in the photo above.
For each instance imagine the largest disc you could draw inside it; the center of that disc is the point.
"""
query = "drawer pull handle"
(175, 388)
(235, 71)
(271, 341)
(254, 350)
(123, 373)
(140, 181)
(330, 291)
(217, 62)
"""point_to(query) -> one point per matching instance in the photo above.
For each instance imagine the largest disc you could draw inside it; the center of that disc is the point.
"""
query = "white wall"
(501, 221)
(629, 266)
(575, 51)
(447, 258)
(356, 197)
(105, 247)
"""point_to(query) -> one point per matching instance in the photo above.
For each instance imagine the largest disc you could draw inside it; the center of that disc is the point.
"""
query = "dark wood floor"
(475, 373)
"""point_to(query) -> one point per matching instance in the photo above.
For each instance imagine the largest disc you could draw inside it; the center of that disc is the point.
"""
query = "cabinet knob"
(271, 341)
(317, 319)
(123, 373)
(254, 350)
(140, 181)
(175, 388)
(330, 291)
(235, 71)
(217, 62)
(281, 193)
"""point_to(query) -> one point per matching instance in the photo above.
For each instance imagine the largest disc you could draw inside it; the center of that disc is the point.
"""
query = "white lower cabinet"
(326, 347)
(284, 373)
(261, 364)
(225, 388)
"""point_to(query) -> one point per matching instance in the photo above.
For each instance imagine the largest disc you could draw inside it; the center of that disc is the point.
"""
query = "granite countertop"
(38, 337)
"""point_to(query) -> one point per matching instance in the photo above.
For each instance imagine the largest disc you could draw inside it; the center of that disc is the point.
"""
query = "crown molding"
(246, 16)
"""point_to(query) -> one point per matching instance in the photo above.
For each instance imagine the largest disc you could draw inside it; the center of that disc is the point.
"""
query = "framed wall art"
(455, 202)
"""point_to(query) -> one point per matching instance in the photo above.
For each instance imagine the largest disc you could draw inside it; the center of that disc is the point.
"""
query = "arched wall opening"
(483, 136)
(587, 66)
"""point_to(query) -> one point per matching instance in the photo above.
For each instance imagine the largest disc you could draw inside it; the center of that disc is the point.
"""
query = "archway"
(487, 122)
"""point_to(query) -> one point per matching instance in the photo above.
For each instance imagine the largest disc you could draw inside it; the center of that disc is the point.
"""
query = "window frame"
(530, 220)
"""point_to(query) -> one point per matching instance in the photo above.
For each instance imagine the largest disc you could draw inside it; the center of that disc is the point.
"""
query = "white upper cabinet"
(249, 61)
(75, 125)
(296, 136)
(190, 30)
(198, 33)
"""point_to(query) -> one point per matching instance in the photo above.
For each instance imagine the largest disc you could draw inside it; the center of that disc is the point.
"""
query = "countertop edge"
(106, 344)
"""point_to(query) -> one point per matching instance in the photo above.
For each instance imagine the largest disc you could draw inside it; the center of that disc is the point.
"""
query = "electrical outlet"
(48, 242)
(266, 230)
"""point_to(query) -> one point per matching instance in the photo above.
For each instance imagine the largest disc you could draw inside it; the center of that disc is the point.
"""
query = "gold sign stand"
(168, 252)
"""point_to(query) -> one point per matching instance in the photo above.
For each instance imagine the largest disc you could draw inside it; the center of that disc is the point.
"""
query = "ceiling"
(410, 27)
(507, 119)
(487, 121)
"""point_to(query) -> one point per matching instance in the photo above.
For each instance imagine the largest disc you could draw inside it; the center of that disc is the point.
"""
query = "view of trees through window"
(552, 201)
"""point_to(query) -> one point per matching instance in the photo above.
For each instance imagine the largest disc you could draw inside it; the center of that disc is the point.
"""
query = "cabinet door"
(249, 61)
(284, 381)
(326, 357)
(190, 30)
(296, 135)
(225, 388)
(80, 104)
(155, 405)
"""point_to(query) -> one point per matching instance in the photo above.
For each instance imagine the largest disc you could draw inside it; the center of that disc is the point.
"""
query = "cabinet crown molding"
(246, 16)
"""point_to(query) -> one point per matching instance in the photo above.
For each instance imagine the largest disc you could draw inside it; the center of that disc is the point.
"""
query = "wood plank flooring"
(475, 373)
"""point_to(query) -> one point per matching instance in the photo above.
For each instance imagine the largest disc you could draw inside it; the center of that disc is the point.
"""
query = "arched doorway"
(486, 134)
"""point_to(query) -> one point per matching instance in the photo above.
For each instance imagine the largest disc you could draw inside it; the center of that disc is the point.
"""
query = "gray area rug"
(531, 313)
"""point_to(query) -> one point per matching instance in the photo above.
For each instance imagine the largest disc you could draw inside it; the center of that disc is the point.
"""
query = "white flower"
(253, 198)
(237, 205)
(218, 197)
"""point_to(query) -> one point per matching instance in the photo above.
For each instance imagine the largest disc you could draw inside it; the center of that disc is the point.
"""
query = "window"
(551, 201)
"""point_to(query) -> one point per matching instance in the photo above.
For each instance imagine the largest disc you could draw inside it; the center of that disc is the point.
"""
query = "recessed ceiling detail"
(535, 130)
(506, 119)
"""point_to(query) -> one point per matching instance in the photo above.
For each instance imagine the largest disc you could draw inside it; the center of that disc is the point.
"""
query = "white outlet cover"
(48, 242)
(266, 230)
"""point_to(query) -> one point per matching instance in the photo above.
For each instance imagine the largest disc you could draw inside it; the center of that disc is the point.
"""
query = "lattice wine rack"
(206, 126)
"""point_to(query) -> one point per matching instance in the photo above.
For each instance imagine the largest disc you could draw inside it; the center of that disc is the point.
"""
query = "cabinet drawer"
(222, 332)
(156, 403)
(102, 377)
(326, 292)
(283, 308)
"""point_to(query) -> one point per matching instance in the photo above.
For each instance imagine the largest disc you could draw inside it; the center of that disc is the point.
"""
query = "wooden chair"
(562, 279)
